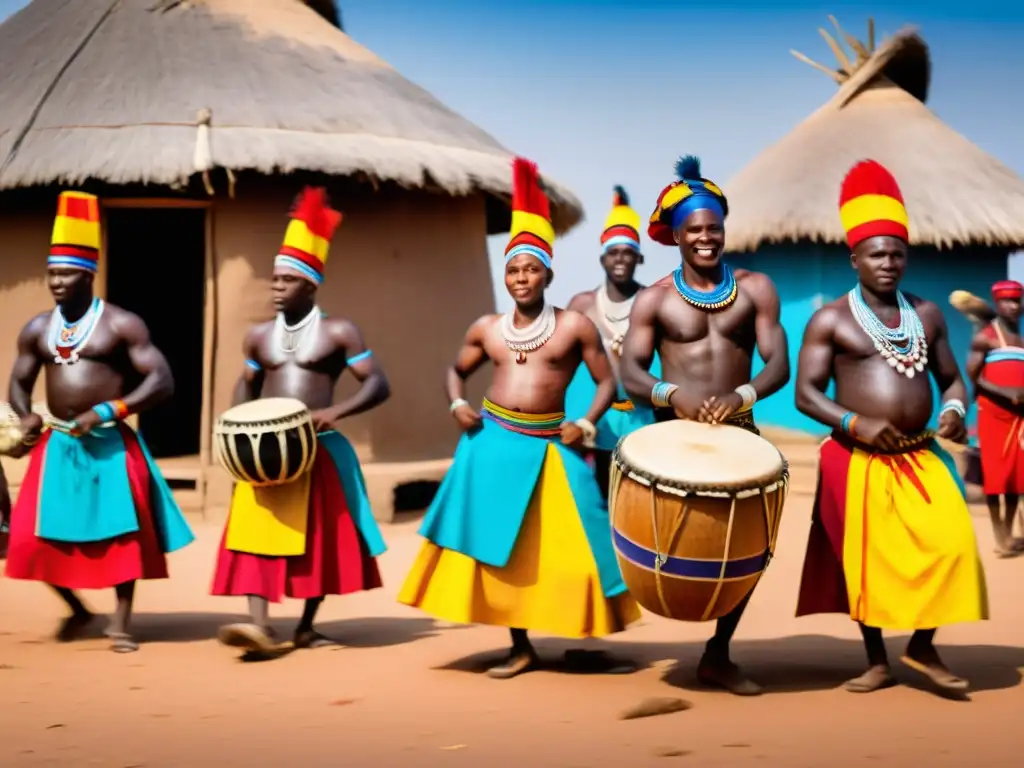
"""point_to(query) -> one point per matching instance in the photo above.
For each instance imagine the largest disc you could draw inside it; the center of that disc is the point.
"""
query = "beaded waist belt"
(535, 424)
(623, 405)
(907, 444)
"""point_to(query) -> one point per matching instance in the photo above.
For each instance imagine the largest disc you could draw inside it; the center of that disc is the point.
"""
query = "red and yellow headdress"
(531, 230)
(871, 204)
(690, 192)
(308, 236)
(622, 227)
(75, 243)
(1007, 289)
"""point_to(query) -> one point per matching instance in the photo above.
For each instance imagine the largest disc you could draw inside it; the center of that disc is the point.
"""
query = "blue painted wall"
(809, 276)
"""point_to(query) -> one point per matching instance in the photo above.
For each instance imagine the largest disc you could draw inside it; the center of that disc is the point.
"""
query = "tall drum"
(266, 442)
(695, 514)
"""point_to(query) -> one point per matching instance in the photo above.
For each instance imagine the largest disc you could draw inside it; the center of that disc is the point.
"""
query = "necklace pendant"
(520, 356)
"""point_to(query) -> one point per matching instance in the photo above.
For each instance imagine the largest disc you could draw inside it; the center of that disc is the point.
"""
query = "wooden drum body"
(266, 442)
(695, 512)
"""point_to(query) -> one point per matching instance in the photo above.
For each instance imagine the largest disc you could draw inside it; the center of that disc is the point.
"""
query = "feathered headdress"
(690, 192)
(531, 230)
(308, 237)
(871, 204)
(622, 227)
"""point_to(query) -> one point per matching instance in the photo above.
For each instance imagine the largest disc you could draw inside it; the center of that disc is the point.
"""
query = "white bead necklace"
(613, 317)
(297, 339)
(905, 347)
(532, 337)
(65, 340)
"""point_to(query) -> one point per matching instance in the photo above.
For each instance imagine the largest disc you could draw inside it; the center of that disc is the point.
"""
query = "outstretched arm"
(251, 381)
(471, 356)
(374, 388)
(639, 345)
(26, 369)
(157, 383)
(772, 344)
(600, 368)
(814, 370)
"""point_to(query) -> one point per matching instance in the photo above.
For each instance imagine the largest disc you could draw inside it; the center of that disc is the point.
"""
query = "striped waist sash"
(623, 405)
(535, 424)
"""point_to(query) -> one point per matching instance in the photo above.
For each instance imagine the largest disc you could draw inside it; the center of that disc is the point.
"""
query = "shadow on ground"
(785, 665)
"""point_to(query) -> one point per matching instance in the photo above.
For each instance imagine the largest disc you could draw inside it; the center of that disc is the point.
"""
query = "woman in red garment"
(996, 366)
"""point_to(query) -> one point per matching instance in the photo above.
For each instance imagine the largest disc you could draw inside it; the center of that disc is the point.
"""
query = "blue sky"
(603, 93)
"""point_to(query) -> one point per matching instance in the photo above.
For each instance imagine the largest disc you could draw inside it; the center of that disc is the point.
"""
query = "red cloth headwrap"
(1007, 289)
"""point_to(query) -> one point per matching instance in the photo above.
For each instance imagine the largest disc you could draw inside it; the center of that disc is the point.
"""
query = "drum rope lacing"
(771, 519)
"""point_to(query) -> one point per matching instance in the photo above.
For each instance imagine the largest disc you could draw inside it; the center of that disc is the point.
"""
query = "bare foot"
(927, 662)
(309, 638)
(875, 679)
(74, 626)
(718, 673)
(122, 642)
(516, 664)
(251, 637)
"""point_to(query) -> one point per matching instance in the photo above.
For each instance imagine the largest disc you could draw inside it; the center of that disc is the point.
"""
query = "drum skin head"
(263, 410)
(693, 454)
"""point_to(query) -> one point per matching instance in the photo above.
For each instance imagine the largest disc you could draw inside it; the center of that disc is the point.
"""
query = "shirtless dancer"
(93, 511)
(996, 368)
(705, 321)
(608, 306)
(892, 543)
(518, 534)
(302, 354)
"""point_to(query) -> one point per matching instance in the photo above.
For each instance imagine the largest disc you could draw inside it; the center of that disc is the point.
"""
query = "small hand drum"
(266, 442)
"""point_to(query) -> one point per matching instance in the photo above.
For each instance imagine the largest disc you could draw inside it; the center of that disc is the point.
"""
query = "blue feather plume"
(688, 168)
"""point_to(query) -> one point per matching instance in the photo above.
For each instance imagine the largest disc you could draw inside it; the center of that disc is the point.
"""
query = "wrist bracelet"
(748, 395)
(589, 431)
(456, 404)
(661, 394)
(955, 405)
(849, 423)
(112, 410)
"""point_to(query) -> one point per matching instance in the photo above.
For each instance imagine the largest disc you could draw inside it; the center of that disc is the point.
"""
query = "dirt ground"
(406, 690)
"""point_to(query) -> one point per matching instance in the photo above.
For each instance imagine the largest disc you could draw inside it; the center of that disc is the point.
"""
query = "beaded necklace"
(613, 317)
(905, 347)
(717, 298)
(299, 338)
(65, 340)
(532, 337)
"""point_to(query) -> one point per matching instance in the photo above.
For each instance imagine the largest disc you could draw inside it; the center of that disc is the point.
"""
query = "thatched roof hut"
(956, 193)
(965, 206)
(199, 120)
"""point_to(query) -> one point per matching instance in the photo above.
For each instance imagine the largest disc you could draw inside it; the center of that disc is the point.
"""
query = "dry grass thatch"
(956, 194)
(151, 91)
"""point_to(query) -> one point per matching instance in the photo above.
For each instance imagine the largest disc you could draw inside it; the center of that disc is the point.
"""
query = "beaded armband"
(849, 423)
(956, 406)
(661, 394)
(360, 357)
(112, 410)
(252, 365)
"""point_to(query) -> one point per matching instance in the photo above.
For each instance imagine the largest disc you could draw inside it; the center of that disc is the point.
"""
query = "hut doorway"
(155, 264)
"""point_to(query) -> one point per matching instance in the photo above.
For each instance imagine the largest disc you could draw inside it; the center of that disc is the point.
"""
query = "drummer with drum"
(704, 321)
(300, 523)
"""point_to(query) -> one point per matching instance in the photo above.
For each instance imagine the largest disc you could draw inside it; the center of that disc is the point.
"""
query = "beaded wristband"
(849, 423)
(661, 394)
(457, 403)
(112, 410)
(748, 395)
(253, 365)
(956, 406)
(589, 431)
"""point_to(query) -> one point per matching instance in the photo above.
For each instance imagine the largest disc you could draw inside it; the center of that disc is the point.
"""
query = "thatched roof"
(956, 194)
(120, 91)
